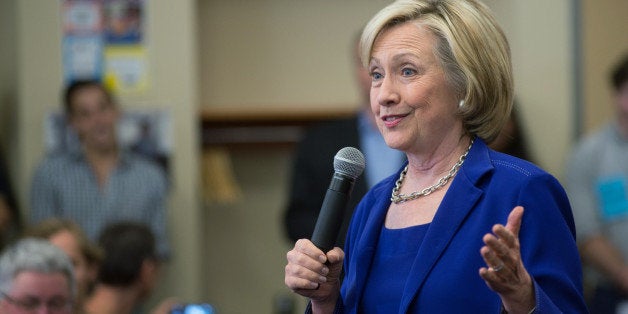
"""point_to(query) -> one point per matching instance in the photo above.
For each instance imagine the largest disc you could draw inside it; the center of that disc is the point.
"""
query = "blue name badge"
(612, 197)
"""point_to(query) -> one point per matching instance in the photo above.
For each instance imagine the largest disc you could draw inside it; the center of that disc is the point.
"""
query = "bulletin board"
(105, 40)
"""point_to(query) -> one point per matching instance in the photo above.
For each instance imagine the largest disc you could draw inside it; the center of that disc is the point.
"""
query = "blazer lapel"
(367, 244)
(455, 207)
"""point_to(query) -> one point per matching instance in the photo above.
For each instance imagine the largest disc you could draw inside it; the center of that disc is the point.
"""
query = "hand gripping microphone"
(348, 165)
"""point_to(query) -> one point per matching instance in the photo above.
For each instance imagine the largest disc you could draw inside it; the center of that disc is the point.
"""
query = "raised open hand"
(505, 272)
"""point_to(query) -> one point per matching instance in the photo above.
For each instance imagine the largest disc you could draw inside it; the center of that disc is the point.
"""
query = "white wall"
(280, 53)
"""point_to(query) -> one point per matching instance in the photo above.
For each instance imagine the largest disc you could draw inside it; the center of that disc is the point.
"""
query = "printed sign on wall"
(105, 40)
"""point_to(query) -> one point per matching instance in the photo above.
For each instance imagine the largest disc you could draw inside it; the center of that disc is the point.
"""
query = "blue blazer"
(444, 277)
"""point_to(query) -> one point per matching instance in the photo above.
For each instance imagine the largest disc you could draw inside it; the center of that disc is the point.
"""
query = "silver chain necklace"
(400, 198)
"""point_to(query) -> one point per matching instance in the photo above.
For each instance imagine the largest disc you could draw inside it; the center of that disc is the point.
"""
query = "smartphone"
(193, 308)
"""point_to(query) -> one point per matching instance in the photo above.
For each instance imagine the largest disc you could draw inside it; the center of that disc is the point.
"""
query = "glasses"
(30, 304)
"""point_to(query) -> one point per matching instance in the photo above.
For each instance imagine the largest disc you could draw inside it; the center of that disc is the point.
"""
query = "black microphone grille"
(350, 162)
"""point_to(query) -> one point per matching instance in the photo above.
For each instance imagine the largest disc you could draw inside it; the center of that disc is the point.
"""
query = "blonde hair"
(473, 52)
(51, 226)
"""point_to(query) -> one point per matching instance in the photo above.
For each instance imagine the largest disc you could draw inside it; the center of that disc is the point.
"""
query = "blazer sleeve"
(548, 246)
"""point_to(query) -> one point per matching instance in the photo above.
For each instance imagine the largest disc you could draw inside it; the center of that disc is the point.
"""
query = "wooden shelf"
(262, 125)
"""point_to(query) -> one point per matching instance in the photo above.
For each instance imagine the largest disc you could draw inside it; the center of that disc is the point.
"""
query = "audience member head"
(471, 49)
(130, 256)
(34, 274)
(69, 237)
(619, 77)
(10, 222)
(619, 81)
(77, 87)
(92, 113)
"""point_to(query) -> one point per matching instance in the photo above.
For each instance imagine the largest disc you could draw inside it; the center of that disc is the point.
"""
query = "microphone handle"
(332, 213)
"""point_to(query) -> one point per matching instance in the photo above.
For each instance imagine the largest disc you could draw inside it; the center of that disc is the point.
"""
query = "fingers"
(495, 262)
(514, 220)
(501, 248)
(308, 267)
(489, 276)
(336, 255)
(499, 270)
(502, 255)
(301, 278)
(506, 237)
(305, 268)
(308, 248)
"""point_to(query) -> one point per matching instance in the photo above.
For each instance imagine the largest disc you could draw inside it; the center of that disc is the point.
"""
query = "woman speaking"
(459, 228)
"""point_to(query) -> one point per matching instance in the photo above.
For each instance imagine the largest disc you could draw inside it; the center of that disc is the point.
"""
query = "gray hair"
(35, 255)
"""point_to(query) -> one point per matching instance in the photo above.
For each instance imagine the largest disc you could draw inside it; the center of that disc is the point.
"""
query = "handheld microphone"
(348, 165)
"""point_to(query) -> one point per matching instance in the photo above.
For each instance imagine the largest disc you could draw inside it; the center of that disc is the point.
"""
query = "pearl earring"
(461, 104)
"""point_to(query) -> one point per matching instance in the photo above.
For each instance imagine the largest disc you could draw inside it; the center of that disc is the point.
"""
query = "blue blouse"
(392, 262)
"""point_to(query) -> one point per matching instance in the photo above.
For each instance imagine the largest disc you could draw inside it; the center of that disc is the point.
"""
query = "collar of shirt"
(78, 155)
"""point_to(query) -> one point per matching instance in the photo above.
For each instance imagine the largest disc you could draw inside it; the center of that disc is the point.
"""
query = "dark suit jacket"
(312, 172)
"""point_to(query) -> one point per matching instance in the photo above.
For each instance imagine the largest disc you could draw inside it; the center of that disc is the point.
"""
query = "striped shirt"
(65, 186)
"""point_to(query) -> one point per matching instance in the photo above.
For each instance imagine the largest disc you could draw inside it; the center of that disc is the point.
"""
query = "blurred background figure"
(128, 273)
(10, 218)
(85, 255)
(35, 277)
(147, 144)
(313, 162)
(512, 139)
(100, 182)
(597, 183)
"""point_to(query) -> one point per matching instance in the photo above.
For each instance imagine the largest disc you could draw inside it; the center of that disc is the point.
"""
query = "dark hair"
(518, 145)
(619, 75)
(78, 85)
(15, 226)
(127, 245)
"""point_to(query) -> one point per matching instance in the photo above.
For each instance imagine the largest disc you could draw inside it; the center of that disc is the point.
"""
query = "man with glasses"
(36, 277)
